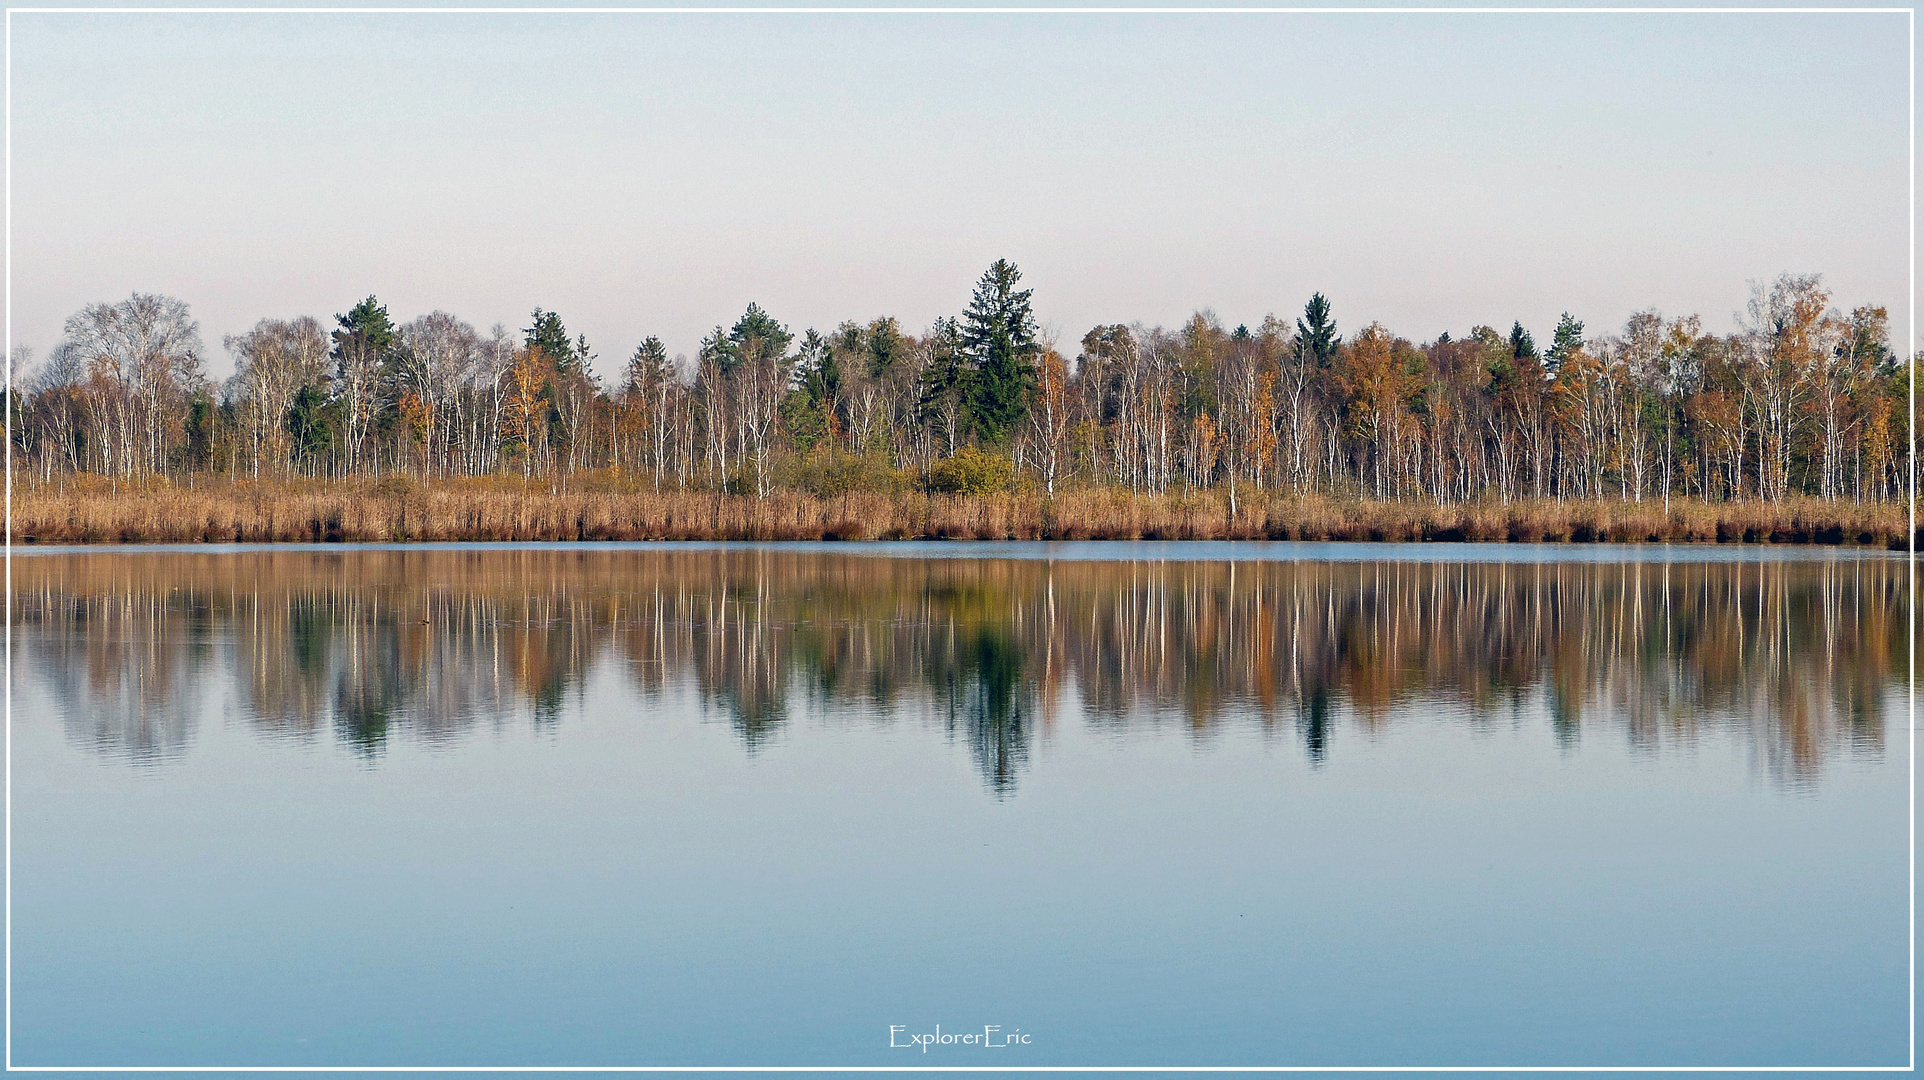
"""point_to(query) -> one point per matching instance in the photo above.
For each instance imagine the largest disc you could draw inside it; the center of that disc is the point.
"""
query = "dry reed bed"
(394, 512)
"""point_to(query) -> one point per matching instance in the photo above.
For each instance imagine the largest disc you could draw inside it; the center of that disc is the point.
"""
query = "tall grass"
(396, 510)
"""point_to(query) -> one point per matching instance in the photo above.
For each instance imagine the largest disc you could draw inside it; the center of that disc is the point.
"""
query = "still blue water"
(727, 805)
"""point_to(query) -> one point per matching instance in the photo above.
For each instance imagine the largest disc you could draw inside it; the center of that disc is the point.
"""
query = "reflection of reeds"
(425, 644)
(395, 509)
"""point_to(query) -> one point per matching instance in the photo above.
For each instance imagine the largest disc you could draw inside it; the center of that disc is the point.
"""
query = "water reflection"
(1796, 657)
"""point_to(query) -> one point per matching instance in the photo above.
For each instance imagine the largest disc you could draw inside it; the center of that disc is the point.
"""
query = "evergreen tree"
(367, 321)
(1316, 337)
(885, 346)
(583, 357)
(1567, 340)
(199, 429)
(310, 426)
(818, 372)
(649, 366)
(809, 411)
(367, 372)
(941, 398)
(1522, 346)
(998, 341)
(552, 337)
(756, 325)
(366, 334)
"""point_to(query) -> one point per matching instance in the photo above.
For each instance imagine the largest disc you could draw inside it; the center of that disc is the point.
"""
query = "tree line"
(1801, 398)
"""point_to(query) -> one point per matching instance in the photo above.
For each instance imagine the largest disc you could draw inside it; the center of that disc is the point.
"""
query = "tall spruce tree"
(809, 411)
(885, 346)
(817, 371)
(1316, 337)
(941, 398)
(552, 337)
(648, 367)
(1522, 345)
(998, 340)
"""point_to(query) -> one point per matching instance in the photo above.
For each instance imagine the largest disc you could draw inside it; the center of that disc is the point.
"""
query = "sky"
(647, 173)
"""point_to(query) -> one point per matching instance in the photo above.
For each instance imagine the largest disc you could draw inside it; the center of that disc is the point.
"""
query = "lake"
(1143, 804)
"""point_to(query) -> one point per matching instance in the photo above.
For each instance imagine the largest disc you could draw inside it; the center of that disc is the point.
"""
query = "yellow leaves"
(415, 414)
(1877, 434)
(1375, 380)
(527, 375)
(1052, 381)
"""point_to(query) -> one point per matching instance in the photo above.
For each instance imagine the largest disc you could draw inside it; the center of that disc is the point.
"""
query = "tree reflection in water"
(427, 645)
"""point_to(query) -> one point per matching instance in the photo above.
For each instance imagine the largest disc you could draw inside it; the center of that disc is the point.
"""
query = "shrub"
(972, 472)
(827, 474)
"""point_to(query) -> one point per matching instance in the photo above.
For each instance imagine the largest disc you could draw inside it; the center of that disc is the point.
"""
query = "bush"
(972, 472)
(827, 474)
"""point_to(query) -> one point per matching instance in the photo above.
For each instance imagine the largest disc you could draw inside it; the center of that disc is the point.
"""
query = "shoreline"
(462, 511)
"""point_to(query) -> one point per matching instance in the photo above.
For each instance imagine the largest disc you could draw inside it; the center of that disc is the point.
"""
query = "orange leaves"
(528, 376)
(1376, 375)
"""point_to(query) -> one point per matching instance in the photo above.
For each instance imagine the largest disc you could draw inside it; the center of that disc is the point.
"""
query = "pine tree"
(998, 340)
(367, 321)
(366, 336)
(1567, 340)
(366, 369)
(756, 327)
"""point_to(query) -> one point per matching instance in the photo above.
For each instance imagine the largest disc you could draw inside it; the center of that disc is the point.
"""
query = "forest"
(1802, 401)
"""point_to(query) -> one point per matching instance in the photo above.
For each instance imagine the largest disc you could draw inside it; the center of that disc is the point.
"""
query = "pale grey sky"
(646, 173)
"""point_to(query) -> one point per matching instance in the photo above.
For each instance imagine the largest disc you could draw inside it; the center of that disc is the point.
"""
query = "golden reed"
(396, 510)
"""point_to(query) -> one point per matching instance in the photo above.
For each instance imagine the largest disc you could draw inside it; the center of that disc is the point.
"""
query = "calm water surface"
(1141, 804)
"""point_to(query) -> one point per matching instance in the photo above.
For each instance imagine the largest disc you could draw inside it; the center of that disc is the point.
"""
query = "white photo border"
(1911, 357)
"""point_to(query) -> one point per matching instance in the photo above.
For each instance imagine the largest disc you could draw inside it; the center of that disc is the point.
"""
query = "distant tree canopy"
(1802, 398)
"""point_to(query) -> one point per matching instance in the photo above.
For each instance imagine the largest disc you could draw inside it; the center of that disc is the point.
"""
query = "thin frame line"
(9, 539)
(691, 10)
(966, 1068)
(1911, 642)
(695, 10)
